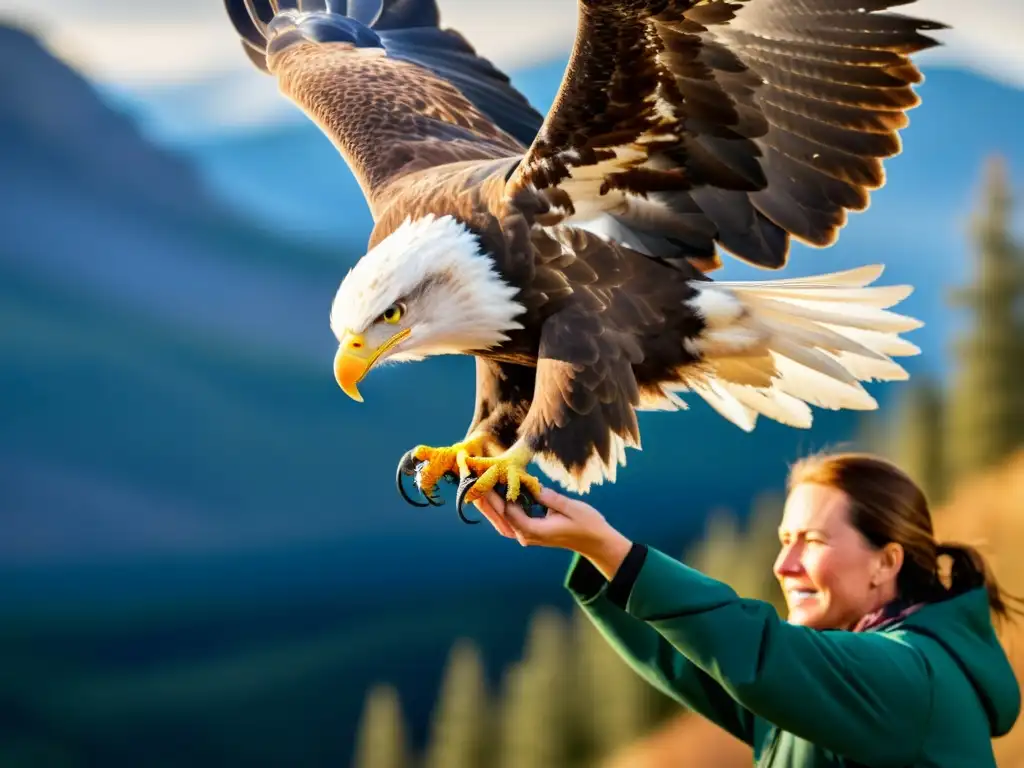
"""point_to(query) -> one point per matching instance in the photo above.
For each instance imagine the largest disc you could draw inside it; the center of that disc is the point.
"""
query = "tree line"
(944, 433)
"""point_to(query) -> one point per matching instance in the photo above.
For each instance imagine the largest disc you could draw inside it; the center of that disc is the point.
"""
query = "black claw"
(460, 498)
(408, 466)
(431, 498)
(525, 500)
(429, 494)
(529, 504)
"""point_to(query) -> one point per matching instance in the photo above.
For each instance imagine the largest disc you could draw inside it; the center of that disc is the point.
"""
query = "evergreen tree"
(761, 542)
(987, 406)
(717, 552)
(917, 438)
(382, 740)
(742, 556)
(535, 723)
(874, 433)
(614, 705)
(460, 734)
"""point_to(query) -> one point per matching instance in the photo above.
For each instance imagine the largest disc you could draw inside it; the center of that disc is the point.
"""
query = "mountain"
(202, 545)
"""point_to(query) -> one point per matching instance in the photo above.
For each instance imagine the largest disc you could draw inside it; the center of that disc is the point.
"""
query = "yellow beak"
(354, 359)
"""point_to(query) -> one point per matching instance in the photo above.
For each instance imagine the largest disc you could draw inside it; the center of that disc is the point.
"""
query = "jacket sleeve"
(866, 695)
(647, 652)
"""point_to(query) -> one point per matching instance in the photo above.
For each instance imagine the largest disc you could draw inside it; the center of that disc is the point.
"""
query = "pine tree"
(717, 552)
(382, 740)
(874, 433)
(761, 542)
(987, 406)
(460, 735)
(917, 438)
(742, 556)
(614, 704)
(535, 719)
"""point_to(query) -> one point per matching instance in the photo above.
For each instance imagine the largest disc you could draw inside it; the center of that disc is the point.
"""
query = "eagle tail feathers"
(773, 348)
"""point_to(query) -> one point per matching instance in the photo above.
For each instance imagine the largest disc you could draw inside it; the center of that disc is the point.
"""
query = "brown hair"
(886, 505)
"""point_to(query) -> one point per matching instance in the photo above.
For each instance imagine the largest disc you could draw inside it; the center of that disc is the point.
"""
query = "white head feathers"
(455, 299)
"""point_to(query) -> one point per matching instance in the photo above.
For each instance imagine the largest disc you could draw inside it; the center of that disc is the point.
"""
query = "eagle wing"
(682, 124)
(391, 90)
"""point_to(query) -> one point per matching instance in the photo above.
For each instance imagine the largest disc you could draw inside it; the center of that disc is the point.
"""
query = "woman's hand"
(569, 524)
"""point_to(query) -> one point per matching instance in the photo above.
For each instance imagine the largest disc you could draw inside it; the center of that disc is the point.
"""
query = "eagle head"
(426, 289)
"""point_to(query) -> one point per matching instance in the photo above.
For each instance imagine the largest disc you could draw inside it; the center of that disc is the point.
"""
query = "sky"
(187, 48)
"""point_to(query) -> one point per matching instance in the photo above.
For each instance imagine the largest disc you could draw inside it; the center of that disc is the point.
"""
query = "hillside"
(987, 511)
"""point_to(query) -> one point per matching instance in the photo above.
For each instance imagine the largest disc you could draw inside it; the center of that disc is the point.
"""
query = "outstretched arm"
(648, 653)
(866, 696)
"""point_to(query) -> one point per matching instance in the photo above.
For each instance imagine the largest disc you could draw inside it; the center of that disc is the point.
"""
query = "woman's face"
(826, 567)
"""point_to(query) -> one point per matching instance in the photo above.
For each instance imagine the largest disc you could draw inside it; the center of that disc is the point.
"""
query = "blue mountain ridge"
(202, 547)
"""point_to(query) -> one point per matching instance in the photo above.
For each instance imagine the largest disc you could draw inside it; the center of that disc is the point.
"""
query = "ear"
(890, 561)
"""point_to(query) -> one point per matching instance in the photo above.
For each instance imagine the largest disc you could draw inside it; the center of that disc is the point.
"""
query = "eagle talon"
(530, 505)
(524, 499)
(431, 497)
(460, 498)
(430, 494)
(408, 465)
(428, 466)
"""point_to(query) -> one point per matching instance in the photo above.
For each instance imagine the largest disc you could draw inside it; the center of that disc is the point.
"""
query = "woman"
(879, 663)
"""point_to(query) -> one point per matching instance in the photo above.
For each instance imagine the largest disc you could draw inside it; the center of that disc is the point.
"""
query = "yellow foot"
(480, 475)
(429, 465)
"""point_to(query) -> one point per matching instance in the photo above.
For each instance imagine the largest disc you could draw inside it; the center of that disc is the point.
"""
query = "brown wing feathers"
(603, 352)
(768, 119)
(387, 116)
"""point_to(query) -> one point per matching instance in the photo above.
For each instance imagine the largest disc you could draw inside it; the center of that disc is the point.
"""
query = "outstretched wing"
(682, 124)
(390, 89)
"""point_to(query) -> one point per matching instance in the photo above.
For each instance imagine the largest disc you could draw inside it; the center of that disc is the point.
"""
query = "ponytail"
(968, 570)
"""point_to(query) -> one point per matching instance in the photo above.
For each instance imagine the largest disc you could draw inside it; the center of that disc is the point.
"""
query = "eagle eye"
(393, 313)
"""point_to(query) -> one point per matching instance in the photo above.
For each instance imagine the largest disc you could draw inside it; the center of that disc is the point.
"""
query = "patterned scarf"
(889, 614)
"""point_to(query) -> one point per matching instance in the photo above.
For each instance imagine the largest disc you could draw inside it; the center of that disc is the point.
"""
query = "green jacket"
(930, 689)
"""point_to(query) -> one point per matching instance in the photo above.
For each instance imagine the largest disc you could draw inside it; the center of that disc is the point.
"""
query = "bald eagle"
(570, 253)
